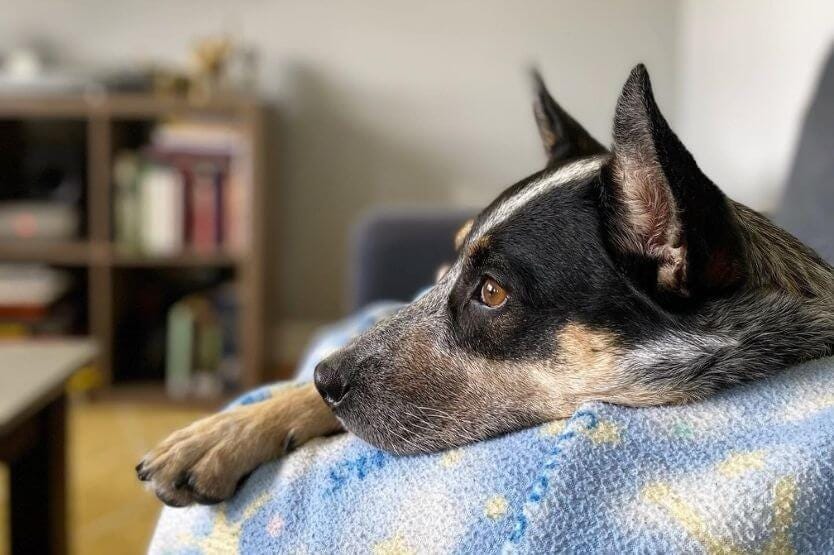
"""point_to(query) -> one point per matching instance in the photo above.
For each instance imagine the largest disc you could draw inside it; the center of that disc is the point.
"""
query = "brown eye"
(492, 294)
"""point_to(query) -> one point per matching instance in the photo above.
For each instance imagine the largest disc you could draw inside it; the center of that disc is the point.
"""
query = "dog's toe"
(202, 464)
(213, 478)
(171, 486)
(174, 498)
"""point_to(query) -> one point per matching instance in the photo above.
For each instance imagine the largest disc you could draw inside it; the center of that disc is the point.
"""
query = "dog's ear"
(562, 137)
(663, 216)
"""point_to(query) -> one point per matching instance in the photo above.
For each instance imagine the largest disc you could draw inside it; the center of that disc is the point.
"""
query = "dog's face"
(509, 336)
(575, 284)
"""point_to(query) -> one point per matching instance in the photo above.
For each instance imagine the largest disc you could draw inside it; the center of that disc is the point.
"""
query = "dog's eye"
(492, 294)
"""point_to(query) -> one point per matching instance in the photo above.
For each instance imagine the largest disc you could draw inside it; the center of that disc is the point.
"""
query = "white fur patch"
(677, 348)
(570, 172)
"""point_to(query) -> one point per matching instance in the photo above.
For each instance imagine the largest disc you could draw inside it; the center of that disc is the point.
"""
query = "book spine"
(205, 210)
(126, 210)
(219, 206)
(179, 356)
(162, 206)
(237, 200)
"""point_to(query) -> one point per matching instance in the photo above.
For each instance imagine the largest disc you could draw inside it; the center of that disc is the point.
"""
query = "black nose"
(331, 382)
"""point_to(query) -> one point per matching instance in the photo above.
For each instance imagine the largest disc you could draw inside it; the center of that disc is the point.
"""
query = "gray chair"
(396, 252)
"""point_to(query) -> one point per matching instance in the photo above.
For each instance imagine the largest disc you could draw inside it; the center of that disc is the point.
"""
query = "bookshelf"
(106, 120)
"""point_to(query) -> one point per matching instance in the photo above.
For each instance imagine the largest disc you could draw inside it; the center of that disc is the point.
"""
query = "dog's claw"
(141, 472)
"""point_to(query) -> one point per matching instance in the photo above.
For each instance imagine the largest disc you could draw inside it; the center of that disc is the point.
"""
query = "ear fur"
(661, 208)
(563, 138)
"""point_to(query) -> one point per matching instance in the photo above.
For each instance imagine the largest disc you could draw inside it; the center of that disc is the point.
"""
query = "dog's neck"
(783, 315)
(778, 261)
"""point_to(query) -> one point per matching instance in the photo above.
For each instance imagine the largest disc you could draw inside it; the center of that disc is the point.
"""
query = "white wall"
(746, 70)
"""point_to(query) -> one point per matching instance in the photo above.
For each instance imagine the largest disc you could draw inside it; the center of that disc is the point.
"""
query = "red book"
(205, 207)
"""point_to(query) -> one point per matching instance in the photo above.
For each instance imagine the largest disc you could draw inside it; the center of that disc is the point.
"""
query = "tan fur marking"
(480, 244)
(460, 236)
(588, 351)
(218, 450)
(592, 370)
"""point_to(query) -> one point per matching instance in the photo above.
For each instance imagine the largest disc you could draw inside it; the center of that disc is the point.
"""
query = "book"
(204, 136)
(206, 206)
(237, 203)
(179, 355)
(201, 344)
(126, 168)
(217, 139)
(162, 206)
(192, 345)
(188, 188)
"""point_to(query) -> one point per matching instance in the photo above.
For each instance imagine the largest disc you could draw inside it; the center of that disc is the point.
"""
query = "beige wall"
(382, 102)
(746, 71)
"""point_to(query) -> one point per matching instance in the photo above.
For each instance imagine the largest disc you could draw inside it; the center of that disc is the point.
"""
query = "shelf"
(43, 106)
(116, 121)
(179, 260)
(83, 253)
(126, 106)
(118, 106)
(69, 253)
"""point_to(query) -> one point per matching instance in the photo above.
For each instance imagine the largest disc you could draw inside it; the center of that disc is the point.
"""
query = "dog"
(624, 276)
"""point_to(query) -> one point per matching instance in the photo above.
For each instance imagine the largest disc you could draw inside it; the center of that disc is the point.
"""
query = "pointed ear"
(661, 212)
(562, 137)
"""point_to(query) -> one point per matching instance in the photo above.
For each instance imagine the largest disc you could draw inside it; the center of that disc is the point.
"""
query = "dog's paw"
(205, 462)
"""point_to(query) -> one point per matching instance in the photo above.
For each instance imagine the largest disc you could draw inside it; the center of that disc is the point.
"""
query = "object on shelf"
(188, 189)
(126, 212)
(209, 58)
(38, 220)
(161, 208)
(31, 285)
(31, 301)
(25, 70)
(202, 351)
(199, 137)
(205, 231)
(220, 65)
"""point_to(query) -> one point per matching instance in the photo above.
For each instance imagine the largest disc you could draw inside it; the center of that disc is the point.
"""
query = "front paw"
(205, 462)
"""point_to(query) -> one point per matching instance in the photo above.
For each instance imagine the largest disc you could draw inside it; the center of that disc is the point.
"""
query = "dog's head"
(573, 285)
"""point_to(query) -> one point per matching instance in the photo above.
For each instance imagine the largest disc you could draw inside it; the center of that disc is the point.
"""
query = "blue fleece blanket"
(749, 470)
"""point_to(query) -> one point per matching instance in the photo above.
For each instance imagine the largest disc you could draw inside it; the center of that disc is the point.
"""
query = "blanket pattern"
(750, 470)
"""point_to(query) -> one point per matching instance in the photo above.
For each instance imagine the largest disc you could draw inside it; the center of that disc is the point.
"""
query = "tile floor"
(109, 510)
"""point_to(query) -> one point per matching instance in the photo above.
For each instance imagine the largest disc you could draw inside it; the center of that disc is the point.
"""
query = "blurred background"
(199, 187)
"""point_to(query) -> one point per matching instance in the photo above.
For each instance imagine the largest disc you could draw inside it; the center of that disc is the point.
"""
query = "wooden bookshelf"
(96, 253)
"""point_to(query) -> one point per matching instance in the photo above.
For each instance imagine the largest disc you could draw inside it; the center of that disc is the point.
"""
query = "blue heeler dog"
(621, 275)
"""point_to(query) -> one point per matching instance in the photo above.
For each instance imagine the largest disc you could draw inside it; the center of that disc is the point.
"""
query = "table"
(33, 436)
